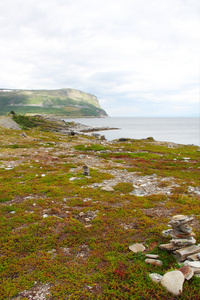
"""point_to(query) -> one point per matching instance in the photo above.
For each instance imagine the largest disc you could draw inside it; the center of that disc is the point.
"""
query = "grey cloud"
(139, 53)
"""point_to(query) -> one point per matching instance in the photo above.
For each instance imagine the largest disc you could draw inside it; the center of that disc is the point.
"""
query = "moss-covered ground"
(57, 229)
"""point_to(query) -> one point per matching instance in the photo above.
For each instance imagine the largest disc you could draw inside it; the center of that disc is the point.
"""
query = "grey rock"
(167, 232)
(23, 134)
(169, 247)
(184, 242)
(193, 264)
(194, 257)
(187, 271)
(87, 220)
(155, 277)
(179, 220)
(137, 247)
(173, 282)
(107, 189)
(86, 171)
(185, 228)
(153, 256)
(177, 233)
(81, 214)
(139, 193)
(155, 262)
(74, 178)
(184, 252)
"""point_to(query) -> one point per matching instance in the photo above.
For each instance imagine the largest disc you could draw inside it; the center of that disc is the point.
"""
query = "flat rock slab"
(194, 257)
(173, 282)
(107, 189)
(155, 262)
(183, 242)
(153, 256)
(169, 247)
(187, 271)
(184, 252)
(179, 220)
(137, 247)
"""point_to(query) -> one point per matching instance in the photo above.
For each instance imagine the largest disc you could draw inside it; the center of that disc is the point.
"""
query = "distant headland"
(65, 102)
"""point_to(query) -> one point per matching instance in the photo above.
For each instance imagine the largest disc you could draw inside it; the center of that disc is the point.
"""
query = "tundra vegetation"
(62, 233)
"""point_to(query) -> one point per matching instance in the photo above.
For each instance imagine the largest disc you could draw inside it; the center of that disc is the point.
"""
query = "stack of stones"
(183, 242)
(183, 246)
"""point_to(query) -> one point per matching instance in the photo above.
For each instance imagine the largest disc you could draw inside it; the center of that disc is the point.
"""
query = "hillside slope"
(68, 102)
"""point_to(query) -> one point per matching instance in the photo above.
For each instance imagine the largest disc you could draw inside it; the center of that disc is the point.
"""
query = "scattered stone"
(45, 216)
(37, 292)
(66, 250)
(153, 256)
(155, 262)
(13, 212)
(86, 171)
(173, 282)
(137, 247)
(74, 178)
(81, 214)
(187, 272)
(107, 189)
(23, 134)
(155, 277)
(139, 193)
(87, 220)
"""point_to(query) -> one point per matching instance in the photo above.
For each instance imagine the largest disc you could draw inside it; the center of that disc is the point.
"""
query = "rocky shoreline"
(60, 125)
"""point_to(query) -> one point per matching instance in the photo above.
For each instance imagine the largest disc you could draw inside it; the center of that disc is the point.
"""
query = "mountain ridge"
(66, 101)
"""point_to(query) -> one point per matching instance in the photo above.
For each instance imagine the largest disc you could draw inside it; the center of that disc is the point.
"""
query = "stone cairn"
(183, 246)
(86, 171)
(183, 242)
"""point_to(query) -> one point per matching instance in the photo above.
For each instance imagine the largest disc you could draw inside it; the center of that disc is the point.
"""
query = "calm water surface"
(177, 130)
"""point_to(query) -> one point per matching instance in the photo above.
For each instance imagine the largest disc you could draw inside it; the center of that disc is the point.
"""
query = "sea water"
(177, 130)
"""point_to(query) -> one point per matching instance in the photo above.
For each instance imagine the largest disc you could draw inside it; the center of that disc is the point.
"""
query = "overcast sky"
(139, 57)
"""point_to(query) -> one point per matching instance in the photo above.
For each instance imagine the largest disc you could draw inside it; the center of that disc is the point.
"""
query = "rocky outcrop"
(8, 123)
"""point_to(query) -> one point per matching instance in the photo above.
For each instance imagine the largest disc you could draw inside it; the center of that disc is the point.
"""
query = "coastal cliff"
(66, 102)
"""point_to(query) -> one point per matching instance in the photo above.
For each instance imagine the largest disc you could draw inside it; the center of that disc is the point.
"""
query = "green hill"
(67, 102)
